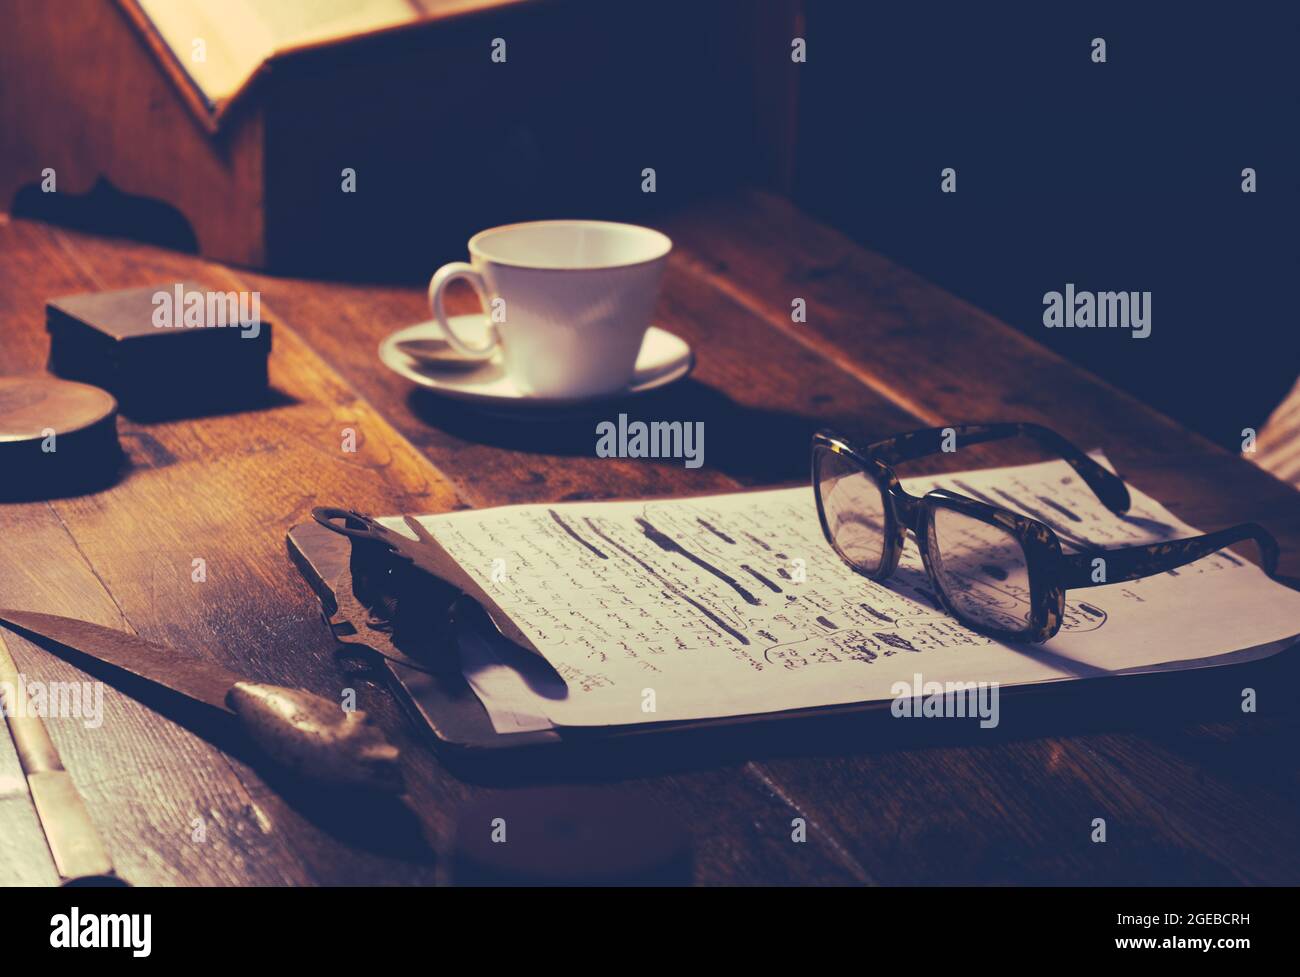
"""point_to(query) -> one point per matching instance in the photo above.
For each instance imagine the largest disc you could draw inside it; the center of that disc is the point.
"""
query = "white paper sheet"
(735, 604)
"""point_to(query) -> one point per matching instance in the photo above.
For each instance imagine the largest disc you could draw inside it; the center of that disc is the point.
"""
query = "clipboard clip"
(408, 597)
(394, 603)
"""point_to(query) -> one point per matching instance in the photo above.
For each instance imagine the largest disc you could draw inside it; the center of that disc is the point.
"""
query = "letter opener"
(301, 732)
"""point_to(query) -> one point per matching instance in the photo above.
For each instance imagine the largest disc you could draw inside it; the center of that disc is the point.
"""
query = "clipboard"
(444, 705)
(448, 711)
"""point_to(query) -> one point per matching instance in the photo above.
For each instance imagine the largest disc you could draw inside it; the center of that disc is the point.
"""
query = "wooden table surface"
(881, 352)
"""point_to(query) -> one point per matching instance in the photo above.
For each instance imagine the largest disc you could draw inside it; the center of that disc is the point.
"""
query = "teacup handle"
(443, 277)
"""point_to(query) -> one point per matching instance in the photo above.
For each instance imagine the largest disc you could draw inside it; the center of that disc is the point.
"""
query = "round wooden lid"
(32, 407)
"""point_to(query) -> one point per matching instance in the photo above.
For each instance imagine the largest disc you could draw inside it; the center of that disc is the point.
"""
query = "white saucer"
(664, 358)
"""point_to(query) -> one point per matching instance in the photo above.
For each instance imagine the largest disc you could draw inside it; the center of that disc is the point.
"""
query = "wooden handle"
(317, 739)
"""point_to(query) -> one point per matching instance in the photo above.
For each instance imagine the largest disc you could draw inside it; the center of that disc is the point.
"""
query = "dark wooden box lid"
(131, 317)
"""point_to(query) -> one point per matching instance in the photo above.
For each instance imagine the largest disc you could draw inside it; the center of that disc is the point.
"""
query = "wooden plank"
(1010, 810)
(979, 810)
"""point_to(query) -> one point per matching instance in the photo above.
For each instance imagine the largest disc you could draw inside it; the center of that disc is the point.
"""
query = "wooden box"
(158, 369)
(441, 135)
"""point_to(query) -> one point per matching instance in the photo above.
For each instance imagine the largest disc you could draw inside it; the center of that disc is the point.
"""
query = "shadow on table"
(75, 473)
(21, 487)
(750, 444)
(375, 823)
(154, 409)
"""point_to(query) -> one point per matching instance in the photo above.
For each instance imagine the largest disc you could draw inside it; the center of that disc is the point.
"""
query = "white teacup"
(568, 301)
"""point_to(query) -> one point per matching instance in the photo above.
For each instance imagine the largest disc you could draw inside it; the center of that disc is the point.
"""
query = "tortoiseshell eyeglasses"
(998, 572)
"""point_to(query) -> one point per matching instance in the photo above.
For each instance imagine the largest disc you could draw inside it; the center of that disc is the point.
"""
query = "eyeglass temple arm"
(1135, 562)
(1105, 484)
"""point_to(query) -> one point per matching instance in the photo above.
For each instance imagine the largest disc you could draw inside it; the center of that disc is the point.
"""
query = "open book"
(222, 43)
(732, 605)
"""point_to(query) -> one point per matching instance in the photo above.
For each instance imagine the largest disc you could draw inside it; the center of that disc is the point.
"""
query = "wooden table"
(881, 351)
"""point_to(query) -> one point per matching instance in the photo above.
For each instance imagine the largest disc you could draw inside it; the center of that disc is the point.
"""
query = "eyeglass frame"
(1051, 572)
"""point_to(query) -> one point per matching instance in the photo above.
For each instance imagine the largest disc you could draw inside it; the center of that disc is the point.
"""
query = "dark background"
(1117, 176)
